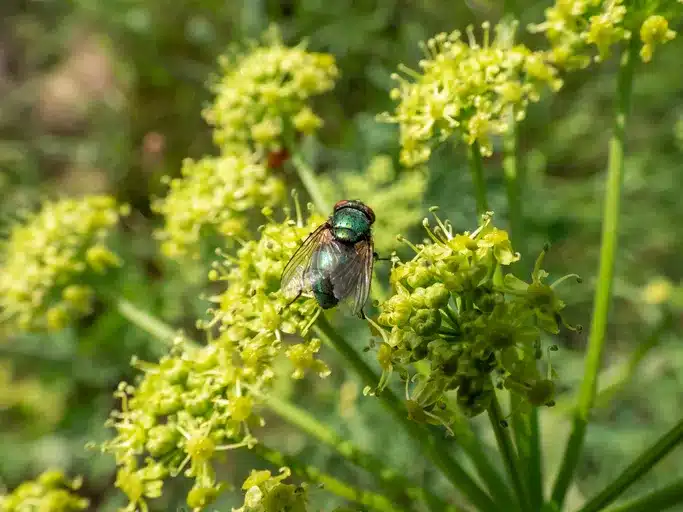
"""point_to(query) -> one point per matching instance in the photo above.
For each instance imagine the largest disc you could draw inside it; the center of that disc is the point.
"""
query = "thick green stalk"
(639, 467)
(507, 451)
(310, 183)
(430, 446)
(656, 501)
(513, 185)
(477, 170)
(525, 427)
(394, 484)
(331, 484)
(146, 322)
(603, 290)
(498, 488)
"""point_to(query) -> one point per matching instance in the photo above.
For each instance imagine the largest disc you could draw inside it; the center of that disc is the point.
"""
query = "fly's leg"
(376, 257)
(294, 299)
(361, 315)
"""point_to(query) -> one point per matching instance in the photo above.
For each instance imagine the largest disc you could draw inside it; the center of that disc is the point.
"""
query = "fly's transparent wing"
(351, 281)
(295, 277)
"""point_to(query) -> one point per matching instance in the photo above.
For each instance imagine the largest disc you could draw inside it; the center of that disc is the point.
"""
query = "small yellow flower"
(267, 493)
(654, 30)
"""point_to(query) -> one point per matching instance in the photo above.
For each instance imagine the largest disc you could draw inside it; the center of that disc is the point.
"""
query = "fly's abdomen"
(325, 261)
(323, 292)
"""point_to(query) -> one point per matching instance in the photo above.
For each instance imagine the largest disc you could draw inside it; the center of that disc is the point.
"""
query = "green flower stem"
(656, 501)
(331, 484)
(489, 474)
(525, 427)
(507, 451)
(639, 467)
(430, 446)
(394, 484)
(603, 290)
(146, 322)
(513, 185)
(307, 177)
(477, 170)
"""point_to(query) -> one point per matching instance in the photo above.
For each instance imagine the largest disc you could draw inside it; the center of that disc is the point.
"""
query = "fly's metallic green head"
(351, 221)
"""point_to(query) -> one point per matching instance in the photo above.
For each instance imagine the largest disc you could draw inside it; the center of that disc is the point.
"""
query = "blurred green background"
(106, 96)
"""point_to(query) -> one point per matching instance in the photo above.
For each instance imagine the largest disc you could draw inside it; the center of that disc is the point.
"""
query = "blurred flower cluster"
(199, 402)
(261, 105)
(397, 196)
(49, 258)
(268, 493)
(580, 31)
(262, 98)
(456, 308)
(50, 492)
(469, 89)
(214, 193)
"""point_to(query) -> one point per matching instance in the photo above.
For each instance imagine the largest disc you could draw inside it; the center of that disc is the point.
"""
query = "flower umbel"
(454, 307)
(467, 89)
(267, 493)
(214, 193)
(51, 491)
(48, 259)
(262, 97)
(186, 409)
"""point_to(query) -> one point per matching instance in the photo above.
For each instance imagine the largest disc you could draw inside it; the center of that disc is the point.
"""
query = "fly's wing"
(295, 277)
(351, 281)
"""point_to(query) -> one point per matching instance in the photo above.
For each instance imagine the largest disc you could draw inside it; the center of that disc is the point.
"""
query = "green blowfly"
(334, 264)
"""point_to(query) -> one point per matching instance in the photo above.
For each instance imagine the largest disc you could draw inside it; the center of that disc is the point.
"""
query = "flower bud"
(426, 321)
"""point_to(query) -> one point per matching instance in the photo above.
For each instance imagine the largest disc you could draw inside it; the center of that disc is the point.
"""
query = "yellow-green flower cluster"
(253, 314)
(580, 31)
(199, 402)
(262, 98)
(468, 89)
(47, 261)
(184, 411)
(214, 193)
(267, 493)
(456, 308)
(397, 196)
(50, 492)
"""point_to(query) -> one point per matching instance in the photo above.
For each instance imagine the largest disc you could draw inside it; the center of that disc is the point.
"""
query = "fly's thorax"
(350, 225)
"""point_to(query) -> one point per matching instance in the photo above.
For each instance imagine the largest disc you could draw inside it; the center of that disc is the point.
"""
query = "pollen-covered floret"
(467, 89)
(262, 98)
(214, 194)
(51, 491)
(49, 259)
(654, 31)
(267, 493)
(456, 307)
